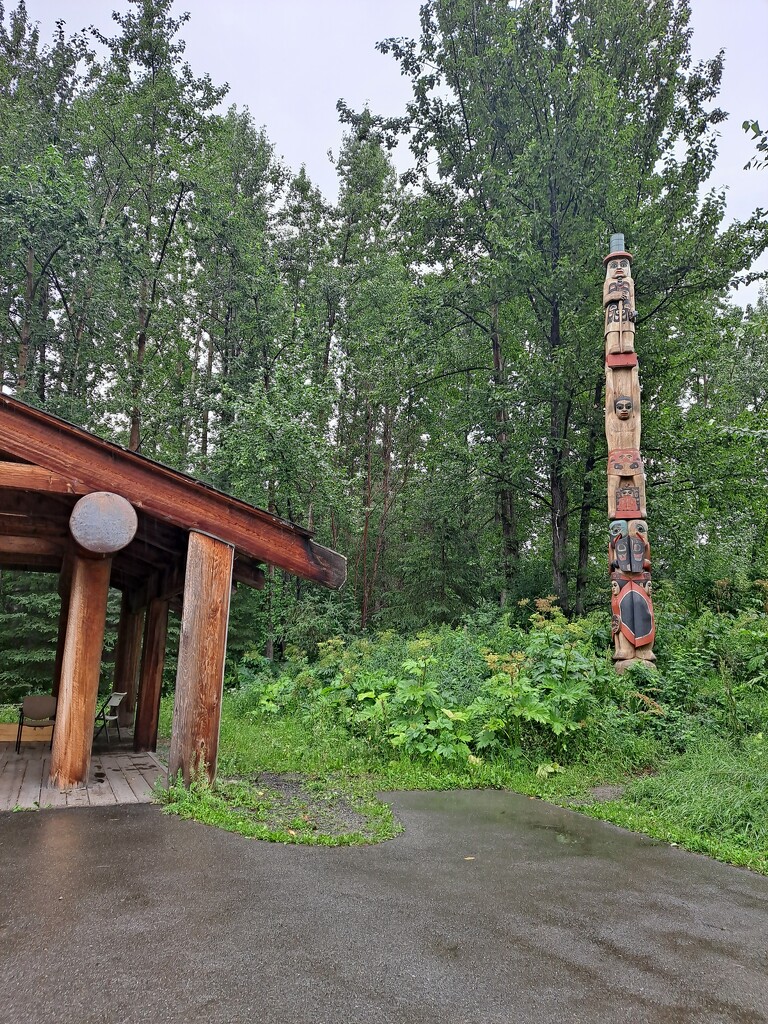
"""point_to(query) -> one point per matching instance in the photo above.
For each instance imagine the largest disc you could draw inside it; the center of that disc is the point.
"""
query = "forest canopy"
(415, 369)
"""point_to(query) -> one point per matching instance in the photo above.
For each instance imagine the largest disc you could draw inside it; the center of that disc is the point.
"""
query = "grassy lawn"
(712, 799)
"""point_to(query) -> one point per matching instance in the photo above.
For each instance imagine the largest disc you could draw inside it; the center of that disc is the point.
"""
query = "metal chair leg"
(18, 734)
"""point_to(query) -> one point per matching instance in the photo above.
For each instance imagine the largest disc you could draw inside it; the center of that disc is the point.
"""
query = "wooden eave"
(46, 464)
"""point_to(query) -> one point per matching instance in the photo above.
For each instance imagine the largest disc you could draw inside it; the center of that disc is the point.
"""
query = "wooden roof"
(46, 464)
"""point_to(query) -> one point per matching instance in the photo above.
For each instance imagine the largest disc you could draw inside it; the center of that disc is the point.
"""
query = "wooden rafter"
(66, 460)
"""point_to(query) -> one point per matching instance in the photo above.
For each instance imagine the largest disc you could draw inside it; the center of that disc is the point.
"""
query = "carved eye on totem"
(634, 465)
(617, 529)
(613, 264)
(624, 263)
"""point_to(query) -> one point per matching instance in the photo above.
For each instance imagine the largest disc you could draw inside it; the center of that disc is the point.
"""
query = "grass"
(712, 799)
(259, 812)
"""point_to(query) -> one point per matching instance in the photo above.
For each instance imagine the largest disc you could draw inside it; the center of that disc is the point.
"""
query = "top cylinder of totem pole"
(617, 248)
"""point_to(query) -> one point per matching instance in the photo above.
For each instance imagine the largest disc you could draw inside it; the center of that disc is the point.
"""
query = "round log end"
(103, 523)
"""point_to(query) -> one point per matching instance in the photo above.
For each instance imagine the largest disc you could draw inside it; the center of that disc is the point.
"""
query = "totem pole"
(629, 553)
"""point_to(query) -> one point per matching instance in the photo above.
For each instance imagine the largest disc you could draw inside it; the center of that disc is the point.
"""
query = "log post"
(101, 524)
(80, 670)
(202, 651)
(65, 584)
(127, 655)
(151, 675)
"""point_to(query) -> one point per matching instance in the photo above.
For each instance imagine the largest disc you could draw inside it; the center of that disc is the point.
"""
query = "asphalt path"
(491, 907)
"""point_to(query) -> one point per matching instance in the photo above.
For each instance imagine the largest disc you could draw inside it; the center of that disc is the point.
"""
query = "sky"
(289, 61)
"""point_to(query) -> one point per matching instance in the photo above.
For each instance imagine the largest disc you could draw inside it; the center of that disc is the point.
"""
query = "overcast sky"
(289, 61)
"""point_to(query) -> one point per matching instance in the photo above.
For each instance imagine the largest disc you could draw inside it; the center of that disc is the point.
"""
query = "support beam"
(101, 524)
(19, 477)
(81, 666)
(65, 587)
(15, 525)
(127, 656)
(151, 675)
(38, 547)
(165, 584)
(248, 573)
(202, 650)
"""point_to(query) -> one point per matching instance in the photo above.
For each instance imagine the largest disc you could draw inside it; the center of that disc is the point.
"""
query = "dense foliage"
(536, 707)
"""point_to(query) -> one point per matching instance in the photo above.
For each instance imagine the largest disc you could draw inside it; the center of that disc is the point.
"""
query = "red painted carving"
(617, 360)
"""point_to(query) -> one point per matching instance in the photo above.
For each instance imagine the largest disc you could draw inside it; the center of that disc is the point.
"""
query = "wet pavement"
(490, 908)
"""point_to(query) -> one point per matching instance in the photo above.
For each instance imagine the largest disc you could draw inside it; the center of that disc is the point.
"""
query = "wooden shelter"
(102, 517)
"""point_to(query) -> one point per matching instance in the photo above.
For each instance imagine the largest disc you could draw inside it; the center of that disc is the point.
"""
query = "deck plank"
(77, 797)
(11, 782)
(29, 794)
(52, 796)
(100, 793)
(120, 787)
(134, 778)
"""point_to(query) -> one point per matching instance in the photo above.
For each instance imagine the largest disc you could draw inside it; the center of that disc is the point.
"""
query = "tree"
(149, 118)
(42, 192)
(551, 125)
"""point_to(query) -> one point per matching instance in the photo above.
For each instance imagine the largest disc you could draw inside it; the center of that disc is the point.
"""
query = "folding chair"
(108, 713)
(36, 712)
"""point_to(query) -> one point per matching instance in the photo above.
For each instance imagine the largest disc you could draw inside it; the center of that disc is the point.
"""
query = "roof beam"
(45, 547)
(246, 572)
(81, 459)
(18, 477)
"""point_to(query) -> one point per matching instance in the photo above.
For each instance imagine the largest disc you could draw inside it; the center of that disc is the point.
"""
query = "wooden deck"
(117, 776)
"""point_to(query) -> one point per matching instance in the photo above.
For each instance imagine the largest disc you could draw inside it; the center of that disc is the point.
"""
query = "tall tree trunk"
(42, 349)
(388, 495)
(587, 499)
(505, 502)
(205, 427)
(26, 326)
(367, 497)
(560, 410)
(138, 374)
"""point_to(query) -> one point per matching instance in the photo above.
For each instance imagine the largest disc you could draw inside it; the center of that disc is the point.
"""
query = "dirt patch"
(299, 802)
(293, 803)
(602, 794)
(597, 795)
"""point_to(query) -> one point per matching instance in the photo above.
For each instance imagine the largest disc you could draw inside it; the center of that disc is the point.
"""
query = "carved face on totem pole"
(618, 548)
(623, 406)
(625, 462)
(618, 274)
(626, 484)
